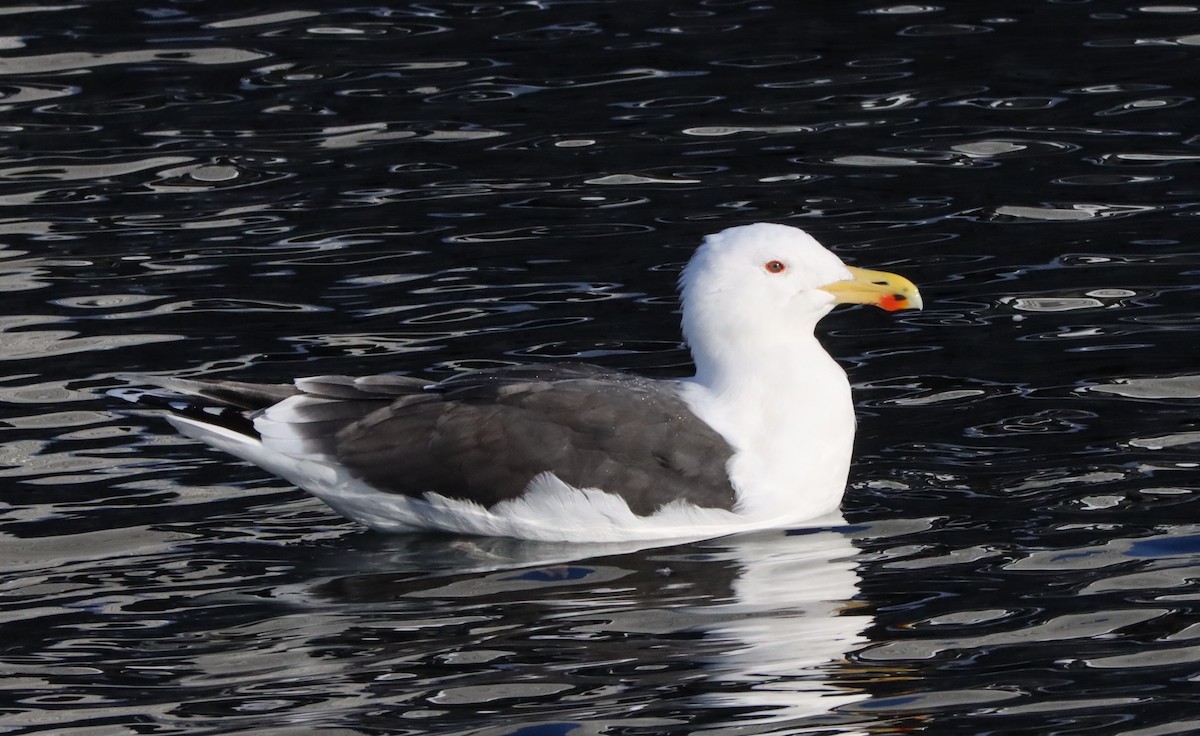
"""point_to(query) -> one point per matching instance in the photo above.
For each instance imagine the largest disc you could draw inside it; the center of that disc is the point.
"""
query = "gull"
(760, 437)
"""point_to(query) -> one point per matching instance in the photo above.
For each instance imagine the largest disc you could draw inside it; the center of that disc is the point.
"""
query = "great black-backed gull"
(760, 437)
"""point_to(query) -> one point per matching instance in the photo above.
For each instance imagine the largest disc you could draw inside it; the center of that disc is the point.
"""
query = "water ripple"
(250, 193)
(67, 61)
(581, 230)
(944, 29)
(13, 95)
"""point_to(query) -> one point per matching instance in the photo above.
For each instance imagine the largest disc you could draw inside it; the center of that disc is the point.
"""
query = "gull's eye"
(775, 267)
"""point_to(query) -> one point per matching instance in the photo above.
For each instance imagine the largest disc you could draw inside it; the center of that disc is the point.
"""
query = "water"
(215, 188)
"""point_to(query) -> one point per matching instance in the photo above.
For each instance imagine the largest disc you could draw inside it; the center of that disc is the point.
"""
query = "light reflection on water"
(213, 189)
(766, 617)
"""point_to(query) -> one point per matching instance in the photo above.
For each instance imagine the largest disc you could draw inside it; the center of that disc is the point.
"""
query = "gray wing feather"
(484, 435)
(235, 394)
(494, 431)
(348, 387)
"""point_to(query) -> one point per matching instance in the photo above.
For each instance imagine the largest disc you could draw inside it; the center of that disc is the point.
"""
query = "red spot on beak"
(892, 302)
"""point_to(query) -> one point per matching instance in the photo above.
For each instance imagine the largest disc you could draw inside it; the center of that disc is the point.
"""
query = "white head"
(750, 288)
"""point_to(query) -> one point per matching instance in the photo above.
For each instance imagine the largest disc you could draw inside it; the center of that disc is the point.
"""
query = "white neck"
(786, 409)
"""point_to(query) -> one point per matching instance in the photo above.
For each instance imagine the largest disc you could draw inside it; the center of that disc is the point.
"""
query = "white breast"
(793, 436)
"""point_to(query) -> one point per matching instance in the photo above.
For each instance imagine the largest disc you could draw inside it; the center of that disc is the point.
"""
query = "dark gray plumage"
(483, 436)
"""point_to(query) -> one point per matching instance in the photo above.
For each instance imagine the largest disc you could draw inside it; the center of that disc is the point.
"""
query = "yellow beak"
(885, 290)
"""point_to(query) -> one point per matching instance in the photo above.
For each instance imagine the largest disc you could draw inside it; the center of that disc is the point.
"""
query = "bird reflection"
(750, 629)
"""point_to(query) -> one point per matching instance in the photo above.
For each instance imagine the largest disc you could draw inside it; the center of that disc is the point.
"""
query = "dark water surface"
(262, 190)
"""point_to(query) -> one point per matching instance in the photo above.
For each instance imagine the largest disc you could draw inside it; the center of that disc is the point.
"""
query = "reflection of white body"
(781, 623)
(723, 635)
(788, 625)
